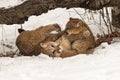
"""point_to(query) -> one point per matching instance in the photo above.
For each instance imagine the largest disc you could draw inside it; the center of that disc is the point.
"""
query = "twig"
(102, 13)
(3, 39)
(78, 14)
(100, 23)
(108, 18)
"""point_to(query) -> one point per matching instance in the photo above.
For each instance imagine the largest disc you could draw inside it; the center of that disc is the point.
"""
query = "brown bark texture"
(20, 13)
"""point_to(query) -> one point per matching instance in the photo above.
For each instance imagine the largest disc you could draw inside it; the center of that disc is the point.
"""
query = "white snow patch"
(10, 3)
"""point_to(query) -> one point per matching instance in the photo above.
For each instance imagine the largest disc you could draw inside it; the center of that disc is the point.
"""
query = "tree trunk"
(20, 13)
(116, 17)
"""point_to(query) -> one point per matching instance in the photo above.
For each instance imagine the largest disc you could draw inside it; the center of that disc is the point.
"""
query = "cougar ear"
(20, 30)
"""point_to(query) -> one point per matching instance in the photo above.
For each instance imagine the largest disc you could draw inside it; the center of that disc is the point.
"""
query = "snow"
(10, 3)
(103, 64)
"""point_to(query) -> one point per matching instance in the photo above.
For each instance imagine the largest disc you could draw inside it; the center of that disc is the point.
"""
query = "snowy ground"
(103, 64)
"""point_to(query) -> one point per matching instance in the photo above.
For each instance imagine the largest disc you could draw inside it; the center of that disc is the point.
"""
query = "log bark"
(20, 13)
